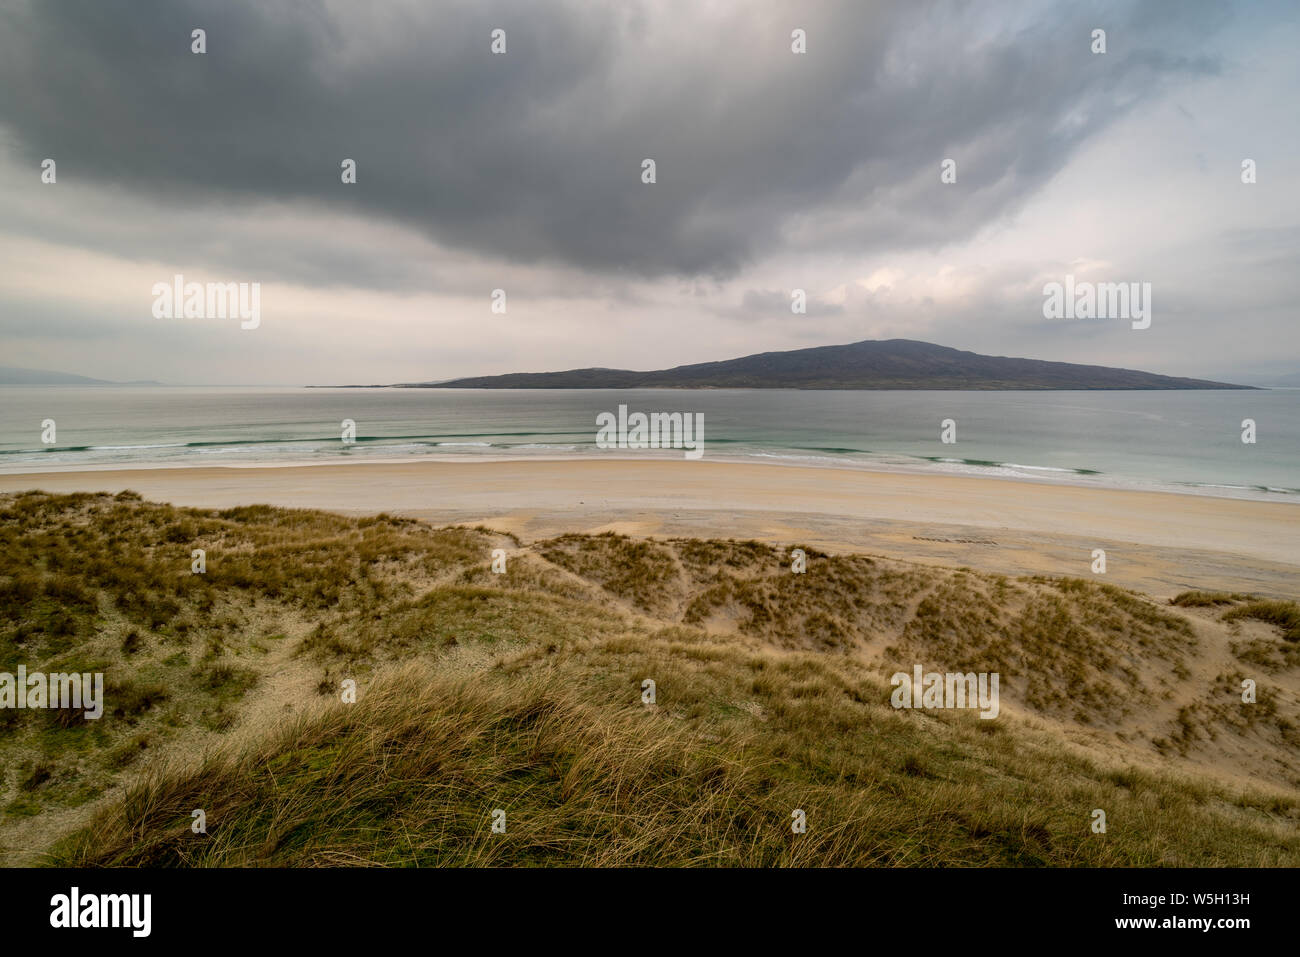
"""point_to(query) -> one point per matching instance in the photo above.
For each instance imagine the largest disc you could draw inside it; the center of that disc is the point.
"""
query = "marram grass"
(522, 693)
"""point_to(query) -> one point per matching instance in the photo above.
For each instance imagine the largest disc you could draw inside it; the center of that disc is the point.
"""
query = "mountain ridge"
(868, 364)
(14, 375)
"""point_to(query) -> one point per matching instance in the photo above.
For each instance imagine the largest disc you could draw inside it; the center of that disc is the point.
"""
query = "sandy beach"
(1160, 543)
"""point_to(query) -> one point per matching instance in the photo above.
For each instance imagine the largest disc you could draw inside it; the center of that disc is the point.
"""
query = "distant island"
(9, 375)
(870, 364)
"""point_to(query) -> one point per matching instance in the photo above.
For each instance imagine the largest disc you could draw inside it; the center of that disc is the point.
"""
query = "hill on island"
(870, 364)
(10, 375)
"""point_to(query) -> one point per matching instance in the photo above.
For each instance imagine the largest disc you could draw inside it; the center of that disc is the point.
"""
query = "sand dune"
(1158, 542)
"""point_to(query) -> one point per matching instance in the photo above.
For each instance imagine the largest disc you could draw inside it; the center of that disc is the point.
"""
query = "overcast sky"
(522, 171)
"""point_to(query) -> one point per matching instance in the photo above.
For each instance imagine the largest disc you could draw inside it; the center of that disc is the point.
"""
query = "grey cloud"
(534, 156)
(758, 303)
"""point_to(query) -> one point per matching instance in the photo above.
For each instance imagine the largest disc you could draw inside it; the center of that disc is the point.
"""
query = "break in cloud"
(522, 171)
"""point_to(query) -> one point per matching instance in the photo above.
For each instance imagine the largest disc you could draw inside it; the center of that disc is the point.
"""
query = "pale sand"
(1158, 542)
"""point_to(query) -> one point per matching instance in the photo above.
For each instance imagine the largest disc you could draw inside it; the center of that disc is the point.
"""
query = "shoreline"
(1039, 475)
(1155, 542)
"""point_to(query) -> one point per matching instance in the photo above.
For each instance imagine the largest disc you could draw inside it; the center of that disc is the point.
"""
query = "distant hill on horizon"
(870, 364)
(11, 375)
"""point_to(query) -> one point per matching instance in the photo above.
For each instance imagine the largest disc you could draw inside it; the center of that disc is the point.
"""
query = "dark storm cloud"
(534, 156)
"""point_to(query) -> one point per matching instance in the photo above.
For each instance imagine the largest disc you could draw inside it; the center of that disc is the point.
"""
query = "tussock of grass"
(412, 773)
(644, 574)
(1284, 614)
(1206, 599)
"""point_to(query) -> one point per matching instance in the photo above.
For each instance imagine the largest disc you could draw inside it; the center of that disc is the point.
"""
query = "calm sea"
(1172, 440)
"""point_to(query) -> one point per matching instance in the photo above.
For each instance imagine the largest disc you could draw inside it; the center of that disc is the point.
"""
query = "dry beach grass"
(522, 692)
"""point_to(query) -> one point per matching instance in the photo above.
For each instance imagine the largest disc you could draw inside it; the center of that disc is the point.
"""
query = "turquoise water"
(1173, 440)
